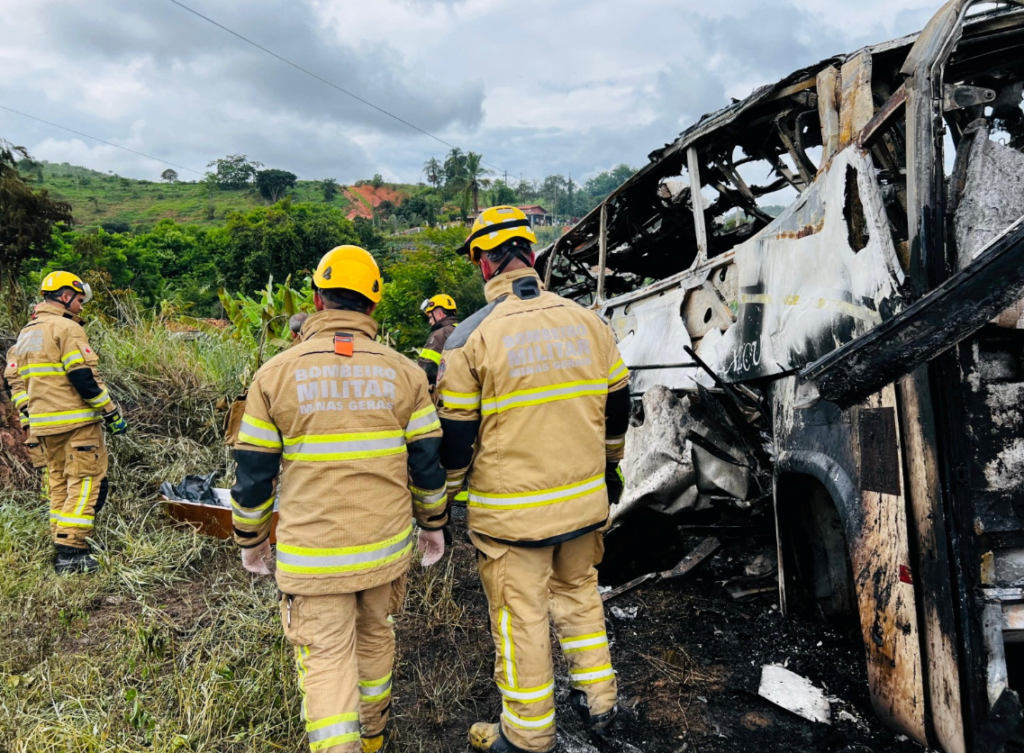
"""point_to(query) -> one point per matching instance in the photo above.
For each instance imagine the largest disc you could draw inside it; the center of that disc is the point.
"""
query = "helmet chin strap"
(516, 252)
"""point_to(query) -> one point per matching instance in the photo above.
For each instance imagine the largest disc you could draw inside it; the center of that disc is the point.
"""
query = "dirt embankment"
(365, 198)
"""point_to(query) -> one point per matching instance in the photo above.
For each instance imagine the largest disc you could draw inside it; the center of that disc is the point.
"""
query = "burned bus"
(864, 346)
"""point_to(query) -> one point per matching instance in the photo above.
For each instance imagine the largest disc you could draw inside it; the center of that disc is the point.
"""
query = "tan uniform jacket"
(528, 377)
(359, 439)
(58, 370)
(430, 355)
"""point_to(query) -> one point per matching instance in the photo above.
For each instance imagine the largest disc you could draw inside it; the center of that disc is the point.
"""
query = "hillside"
(108, 200)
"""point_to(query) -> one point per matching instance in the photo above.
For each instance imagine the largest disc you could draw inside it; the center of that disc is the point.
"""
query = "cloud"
(549, 87)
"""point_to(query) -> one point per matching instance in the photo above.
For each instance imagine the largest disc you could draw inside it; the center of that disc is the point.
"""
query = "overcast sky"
(536, 87)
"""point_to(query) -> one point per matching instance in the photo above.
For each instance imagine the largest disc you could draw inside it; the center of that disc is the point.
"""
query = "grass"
(106, 199)
(172, 646)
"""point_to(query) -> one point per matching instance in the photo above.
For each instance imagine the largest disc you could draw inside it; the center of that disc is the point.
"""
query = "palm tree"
(475, 180)
(433, 171)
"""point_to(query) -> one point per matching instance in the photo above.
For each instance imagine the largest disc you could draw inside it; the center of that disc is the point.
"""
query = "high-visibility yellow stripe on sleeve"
(252, 516)
(72, 359)
(260, 433)
(617, 372)
(100, 401)
(461, 400)
(543, 395)
(430, 355)
(422, 422)
(428, 500)
(299, 559)
(19, 398)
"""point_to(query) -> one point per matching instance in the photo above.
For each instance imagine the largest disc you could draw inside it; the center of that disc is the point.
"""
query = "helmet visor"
(425, 306)
(87, 292)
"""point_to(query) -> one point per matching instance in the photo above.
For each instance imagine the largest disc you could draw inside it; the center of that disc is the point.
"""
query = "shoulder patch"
(460, 336)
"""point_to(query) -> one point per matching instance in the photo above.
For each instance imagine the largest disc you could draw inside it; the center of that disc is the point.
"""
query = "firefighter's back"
(543, 364)
(344, 406)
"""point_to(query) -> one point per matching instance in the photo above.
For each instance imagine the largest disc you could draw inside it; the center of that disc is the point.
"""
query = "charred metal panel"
(812, 441)
(879, 455)
(804, 290)
(932, 325)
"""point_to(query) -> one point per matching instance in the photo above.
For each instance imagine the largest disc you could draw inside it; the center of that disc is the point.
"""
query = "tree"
(330, 188)
(475, 180)
(27, 221)
(454, 170)
(433, 171)
(273, 183)
(502, 194)
(169, 175)
(235, 171)
(377, 180)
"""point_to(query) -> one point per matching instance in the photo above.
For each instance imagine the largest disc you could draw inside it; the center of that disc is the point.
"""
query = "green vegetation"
(172, 647)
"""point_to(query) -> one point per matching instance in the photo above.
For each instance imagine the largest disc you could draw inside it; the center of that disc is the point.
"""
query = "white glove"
(431, 543)
(256, 559)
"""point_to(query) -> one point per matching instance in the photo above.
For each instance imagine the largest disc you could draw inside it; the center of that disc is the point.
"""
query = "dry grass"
(172, 646)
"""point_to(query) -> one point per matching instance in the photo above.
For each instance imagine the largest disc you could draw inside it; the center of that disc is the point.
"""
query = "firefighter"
(440, 312)
(536, 381)
(66, 402)
(347, 426)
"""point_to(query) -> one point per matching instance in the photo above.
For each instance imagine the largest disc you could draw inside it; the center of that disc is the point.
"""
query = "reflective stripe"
(100, 400)
(583, 642)
(301, 653)
(617, 371)
(455, 482)
(508, 651)
(367, 444)
(71, 521)
(375, 690)
(591, 675)
(64, 417)
(528, 722)
(543, 395)
(334, 730)
(428, 500)
(615, 442)
(461, 400)
(41, 369)
(300, 559)
(520, 500)
(528, 695)
(259, 433)
(422, 422)
(430, 355)
(252, 516)
(71, 359)
(83, 497)
(19, 398)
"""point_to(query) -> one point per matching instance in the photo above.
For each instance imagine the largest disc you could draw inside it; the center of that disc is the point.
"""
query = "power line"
(94, 138)
(321, 79)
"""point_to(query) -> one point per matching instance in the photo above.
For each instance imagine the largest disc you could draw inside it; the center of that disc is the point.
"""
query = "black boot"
(597, 723)
(490, 738)
(74, 560)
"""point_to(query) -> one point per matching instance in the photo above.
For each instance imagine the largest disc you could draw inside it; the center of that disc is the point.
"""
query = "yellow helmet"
(438, 301)
(349, 268)
(56, 281)
(495, 226)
